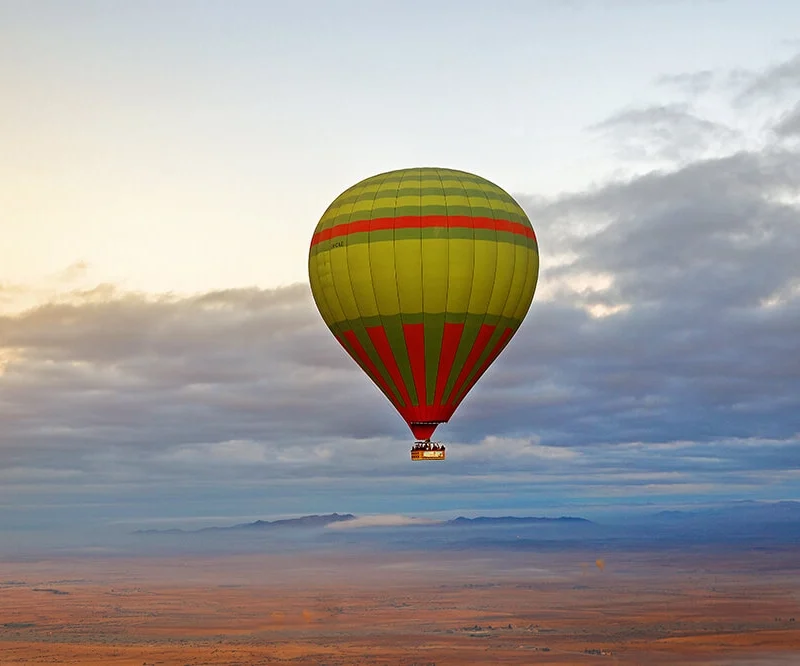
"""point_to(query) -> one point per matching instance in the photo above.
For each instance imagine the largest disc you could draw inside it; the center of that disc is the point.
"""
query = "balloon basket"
(428, 451)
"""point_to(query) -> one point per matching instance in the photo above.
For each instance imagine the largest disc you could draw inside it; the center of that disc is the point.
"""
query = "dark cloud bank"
(660, 359)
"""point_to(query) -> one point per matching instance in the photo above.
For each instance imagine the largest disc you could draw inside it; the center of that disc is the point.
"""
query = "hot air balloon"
(424, 275)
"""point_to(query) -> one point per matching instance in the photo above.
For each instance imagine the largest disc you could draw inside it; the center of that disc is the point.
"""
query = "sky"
(164, 165)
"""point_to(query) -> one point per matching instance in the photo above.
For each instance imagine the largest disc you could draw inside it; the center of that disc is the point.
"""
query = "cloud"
(659, 360)
(691, 84)
(667, 131)
(789, 124)
(509, 448)
(234, 366)
(696, 256)
(774, 83)
(74, 272)
(381, 521)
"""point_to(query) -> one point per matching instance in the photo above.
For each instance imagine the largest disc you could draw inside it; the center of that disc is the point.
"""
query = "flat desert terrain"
(677, 607)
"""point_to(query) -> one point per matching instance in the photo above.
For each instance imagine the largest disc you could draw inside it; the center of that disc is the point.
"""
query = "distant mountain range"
(327, 519)
(739, 512)
(303, 521)
(514, 520)
(746, 518)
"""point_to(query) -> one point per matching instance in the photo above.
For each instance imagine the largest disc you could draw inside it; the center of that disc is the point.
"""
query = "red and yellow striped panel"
(424, 275)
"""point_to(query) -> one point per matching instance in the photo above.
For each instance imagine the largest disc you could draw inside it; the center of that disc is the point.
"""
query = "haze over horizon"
(164, 167)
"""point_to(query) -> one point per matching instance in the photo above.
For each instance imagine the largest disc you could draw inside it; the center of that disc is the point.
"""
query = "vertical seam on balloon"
(421, 260)
(526, 252)
(505, 337)
(446, 289)
(471, 363)
(472, 276)
(513, 271)
(377, 379)
(438, 393)
(480, 364)
(347, 263)
(516, 322)
(528, 260)
(335, 325)
(413, 387)
(387, 378)
(448, 398)
(419, 381)
(416, 359)
(446, 362)
(533, 268)
(400, 390)
(396, 281)
(333, 281)
(447, 219)
(339, 328)
(367, 361)
(533, 276)
(496, 254)
(380, 341)
(409, 388)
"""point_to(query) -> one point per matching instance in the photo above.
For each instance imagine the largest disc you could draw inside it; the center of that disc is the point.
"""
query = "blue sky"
(173, 146)
(165, 164)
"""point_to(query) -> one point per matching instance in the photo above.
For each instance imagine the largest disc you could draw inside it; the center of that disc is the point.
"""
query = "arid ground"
(676, 607)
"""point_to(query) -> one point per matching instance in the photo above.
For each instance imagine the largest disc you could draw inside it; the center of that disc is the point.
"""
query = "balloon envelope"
(423, 276)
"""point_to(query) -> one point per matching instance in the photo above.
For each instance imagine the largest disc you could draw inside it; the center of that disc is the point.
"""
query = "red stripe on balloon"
(422, 222)
(501, 343)
(415, 344)
(363, 359)
(450, 340)
(484, 335)
(378, 336)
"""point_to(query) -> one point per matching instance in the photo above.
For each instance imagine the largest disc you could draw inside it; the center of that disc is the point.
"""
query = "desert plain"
(677, 606)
